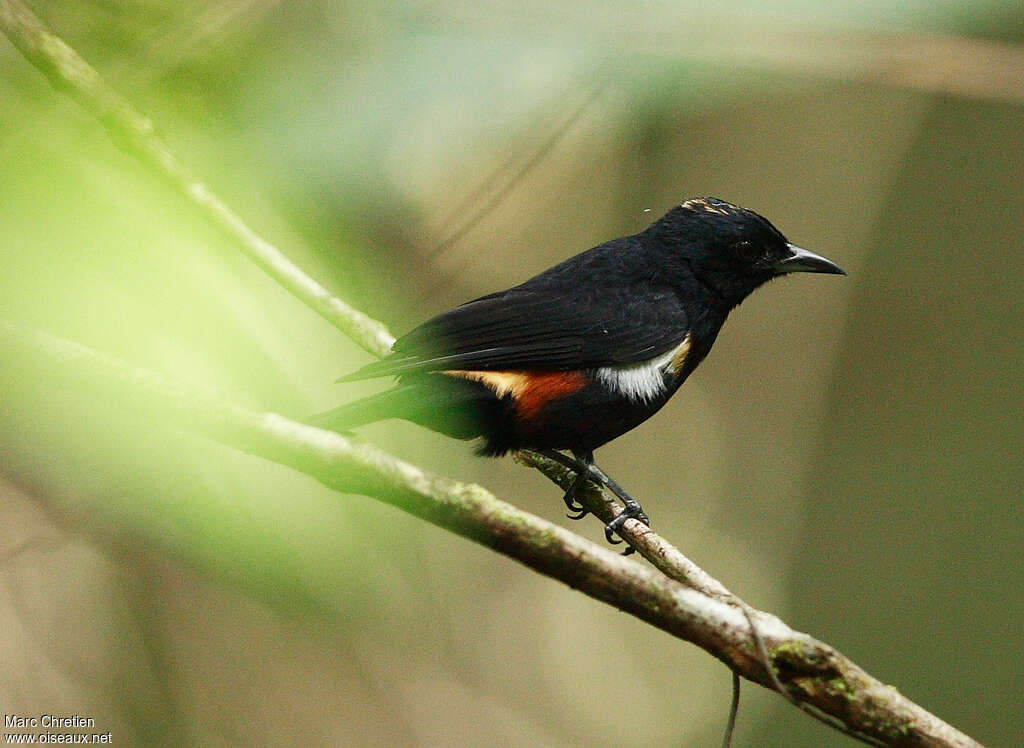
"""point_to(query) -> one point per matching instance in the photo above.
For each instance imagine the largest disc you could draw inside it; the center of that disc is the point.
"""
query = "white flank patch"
(645, 380)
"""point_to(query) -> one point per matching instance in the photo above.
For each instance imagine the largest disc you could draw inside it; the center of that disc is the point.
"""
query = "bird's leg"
(578, 466)
(631, 508)
(583, 465)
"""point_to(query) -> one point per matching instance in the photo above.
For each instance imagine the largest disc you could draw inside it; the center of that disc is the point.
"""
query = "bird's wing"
(537, 327)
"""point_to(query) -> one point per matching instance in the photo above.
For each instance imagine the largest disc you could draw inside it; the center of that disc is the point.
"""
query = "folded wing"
(540, 328)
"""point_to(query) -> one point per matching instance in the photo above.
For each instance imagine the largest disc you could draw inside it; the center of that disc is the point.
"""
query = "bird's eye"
(746, 251)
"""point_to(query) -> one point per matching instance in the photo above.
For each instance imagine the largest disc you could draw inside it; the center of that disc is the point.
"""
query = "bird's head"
(732, 250)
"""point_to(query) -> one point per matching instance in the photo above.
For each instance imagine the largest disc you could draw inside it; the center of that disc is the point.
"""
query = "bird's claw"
(613, 527)
(578, 510)
(574, 506)
(585, 469)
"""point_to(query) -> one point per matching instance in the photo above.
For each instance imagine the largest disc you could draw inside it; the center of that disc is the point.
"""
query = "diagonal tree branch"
(812, 671)
(134, 133)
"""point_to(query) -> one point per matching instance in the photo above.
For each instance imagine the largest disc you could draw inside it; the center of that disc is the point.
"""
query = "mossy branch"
(677, 596)
(813, 672)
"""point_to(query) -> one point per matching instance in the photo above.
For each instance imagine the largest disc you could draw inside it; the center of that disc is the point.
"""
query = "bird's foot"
(578, 510)
(583, 465)
(630, 511)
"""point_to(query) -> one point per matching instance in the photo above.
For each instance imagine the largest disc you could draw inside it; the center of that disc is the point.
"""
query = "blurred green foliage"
(849, 457)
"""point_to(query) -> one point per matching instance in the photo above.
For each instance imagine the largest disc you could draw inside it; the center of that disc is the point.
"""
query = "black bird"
(587, 350)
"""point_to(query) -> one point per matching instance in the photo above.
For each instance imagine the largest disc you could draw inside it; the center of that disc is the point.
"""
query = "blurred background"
(849, 456)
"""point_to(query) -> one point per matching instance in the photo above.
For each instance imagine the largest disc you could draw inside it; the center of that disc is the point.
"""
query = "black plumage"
(558, 320)
(588, 349)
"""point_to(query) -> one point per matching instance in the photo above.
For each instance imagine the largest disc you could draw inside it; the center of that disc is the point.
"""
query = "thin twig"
(484, 209)
(733, 37)
(474, 204)
(734, 708)
(813, 672)
(135, 134)
(943, 64)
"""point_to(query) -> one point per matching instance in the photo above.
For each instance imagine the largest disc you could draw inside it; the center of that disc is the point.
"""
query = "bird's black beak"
(803, 261)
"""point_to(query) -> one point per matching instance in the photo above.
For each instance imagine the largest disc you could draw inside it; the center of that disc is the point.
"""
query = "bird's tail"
(458, 407)
(388, 404)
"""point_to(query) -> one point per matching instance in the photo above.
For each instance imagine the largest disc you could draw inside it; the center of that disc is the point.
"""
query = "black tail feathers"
(384, 405)
(454, 406)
